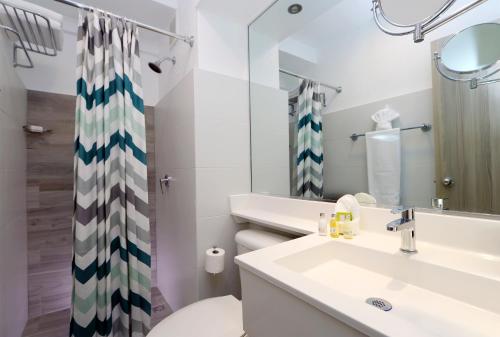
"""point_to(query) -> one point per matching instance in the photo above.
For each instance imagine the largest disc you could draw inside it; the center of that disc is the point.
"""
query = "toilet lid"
(213, 317)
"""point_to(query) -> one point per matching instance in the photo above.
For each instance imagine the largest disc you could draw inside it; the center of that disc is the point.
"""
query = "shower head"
(156, 66)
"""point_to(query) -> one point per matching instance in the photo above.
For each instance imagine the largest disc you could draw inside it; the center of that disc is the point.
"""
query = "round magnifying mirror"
(473, 49)
(411, 12)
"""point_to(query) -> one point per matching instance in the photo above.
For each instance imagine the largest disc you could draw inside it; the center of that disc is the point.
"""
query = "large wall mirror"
(340, 107)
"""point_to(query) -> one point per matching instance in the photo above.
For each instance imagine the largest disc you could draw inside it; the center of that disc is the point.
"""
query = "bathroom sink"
(437, 292)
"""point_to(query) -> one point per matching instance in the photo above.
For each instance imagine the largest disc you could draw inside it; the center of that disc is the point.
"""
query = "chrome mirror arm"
(430, 26)
(427, 25)
(376, 10)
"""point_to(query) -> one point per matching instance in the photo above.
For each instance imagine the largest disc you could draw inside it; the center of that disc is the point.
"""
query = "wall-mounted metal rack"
(29, 32)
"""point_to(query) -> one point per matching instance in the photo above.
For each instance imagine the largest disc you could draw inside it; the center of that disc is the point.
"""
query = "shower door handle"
(165, 181)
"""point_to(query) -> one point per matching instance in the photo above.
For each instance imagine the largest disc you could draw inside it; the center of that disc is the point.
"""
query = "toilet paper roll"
(214, 260)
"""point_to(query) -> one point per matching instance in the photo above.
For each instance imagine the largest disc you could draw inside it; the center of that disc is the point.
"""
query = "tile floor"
(56, 324)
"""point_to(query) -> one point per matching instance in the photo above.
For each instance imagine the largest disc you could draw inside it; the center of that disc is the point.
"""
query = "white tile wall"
(205, 146)
(222, 121)
(270, 141)
(13, 230)
(222, 168)
(214, 185)
(219, 231)
(176, 213)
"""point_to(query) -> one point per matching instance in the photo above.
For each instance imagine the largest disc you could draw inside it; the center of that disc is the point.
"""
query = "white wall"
(264, 60)
(270, 141)
(187, 57)
(176, 209)
(214, 71)
(205, 145)
(13, 226)
(222, 46)
(345, 163)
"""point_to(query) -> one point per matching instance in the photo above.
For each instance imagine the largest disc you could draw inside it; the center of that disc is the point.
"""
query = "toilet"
(218, 316)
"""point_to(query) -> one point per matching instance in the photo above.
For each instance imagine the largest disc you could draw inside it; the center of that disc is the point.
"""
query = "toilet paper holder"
(214, 260)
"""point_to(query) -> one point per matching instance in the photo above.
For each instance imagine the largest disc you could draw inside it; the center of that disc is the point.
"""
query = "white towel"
(384, 118)
(55, 19)
(383, 154)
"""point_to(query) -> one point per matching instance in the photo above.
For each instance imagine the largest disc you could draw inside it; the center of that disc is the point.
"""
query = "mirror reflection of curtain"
(307, 142)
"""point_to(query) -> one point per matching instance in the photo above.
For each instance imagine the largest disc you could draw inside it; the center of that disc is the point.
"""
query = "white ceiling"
(169, 3)
(348, 15)
(240, 11)
(156, 13)
(343, 17)
(278, 24)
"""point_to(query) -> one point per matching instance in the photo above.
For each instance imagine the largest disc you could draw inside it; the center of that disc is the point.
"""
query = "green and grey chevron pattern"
(112, 249)
(309, 142)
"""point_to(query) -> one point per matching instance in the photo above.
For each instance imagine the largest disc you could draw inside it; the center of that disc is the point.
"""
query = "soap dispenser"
(334, 227)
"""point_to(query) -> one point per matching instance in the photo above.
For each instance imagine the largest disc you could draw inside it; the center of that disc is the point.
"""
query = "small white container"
(323, 224)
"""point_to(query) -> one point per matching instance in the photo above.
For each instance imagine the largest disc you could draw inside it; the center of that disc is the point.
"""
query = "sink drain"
(379, 303)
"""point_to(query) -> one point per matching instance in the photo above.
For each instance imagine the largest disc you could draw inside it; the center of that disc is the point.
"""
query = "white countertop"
(428, 314)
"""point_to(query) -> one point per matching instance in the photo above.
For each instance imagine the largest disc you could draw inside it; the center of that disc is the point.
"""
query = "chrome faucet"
(405, 225)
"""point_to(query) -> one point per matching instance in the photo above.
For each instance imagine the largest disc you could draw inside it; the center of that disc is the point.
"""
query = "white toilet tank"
(252, 239)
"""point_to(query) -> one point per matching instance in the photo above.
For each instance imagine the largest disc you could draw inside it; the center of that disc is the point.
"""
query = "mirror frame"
(476, 78)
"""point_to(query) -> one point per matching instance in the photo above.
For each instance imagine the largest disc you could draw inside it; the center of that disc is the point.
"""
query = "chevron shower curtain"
(309, 141)
(111, 261)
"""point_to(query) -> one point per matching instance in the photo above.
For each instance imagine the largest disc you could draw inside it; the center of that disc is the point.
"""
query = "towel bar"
(424, 127)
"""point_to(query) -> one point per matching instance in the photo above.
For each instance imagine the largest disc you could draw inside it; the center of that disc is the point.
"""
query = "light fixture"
(295, 9)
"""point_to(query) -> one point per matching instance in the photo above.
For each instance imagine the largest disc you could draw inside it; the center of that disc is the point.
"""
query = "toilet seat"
(213, 317)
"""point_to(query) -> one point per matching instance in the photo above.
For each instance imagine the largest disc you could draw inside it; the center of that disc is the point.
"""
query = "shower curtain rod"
(188, 39)
(337, 89)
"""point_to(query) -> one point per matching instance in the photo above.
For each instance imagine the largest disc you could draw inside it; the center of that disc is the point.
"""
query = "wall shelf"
(277, 221)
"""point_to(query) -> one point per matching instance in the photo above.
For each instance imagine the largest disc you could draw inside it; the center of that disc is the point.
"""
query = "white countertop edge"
(326, 308)
(370, 321)
(277, 221)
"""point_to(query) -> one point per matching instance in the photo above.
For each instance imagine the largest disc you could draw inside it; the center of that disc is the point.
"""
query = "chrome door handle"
(165, 181)
(448, 181)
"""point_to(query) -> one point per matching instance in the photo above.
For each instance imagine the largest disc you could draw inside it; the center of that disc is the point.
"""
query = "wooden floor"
(56, 324)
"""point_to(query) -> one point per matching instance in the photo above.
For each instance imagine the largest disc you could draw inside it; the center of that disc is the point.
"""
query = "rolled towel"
(33, 36)
(384, 118)
(365, 198)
